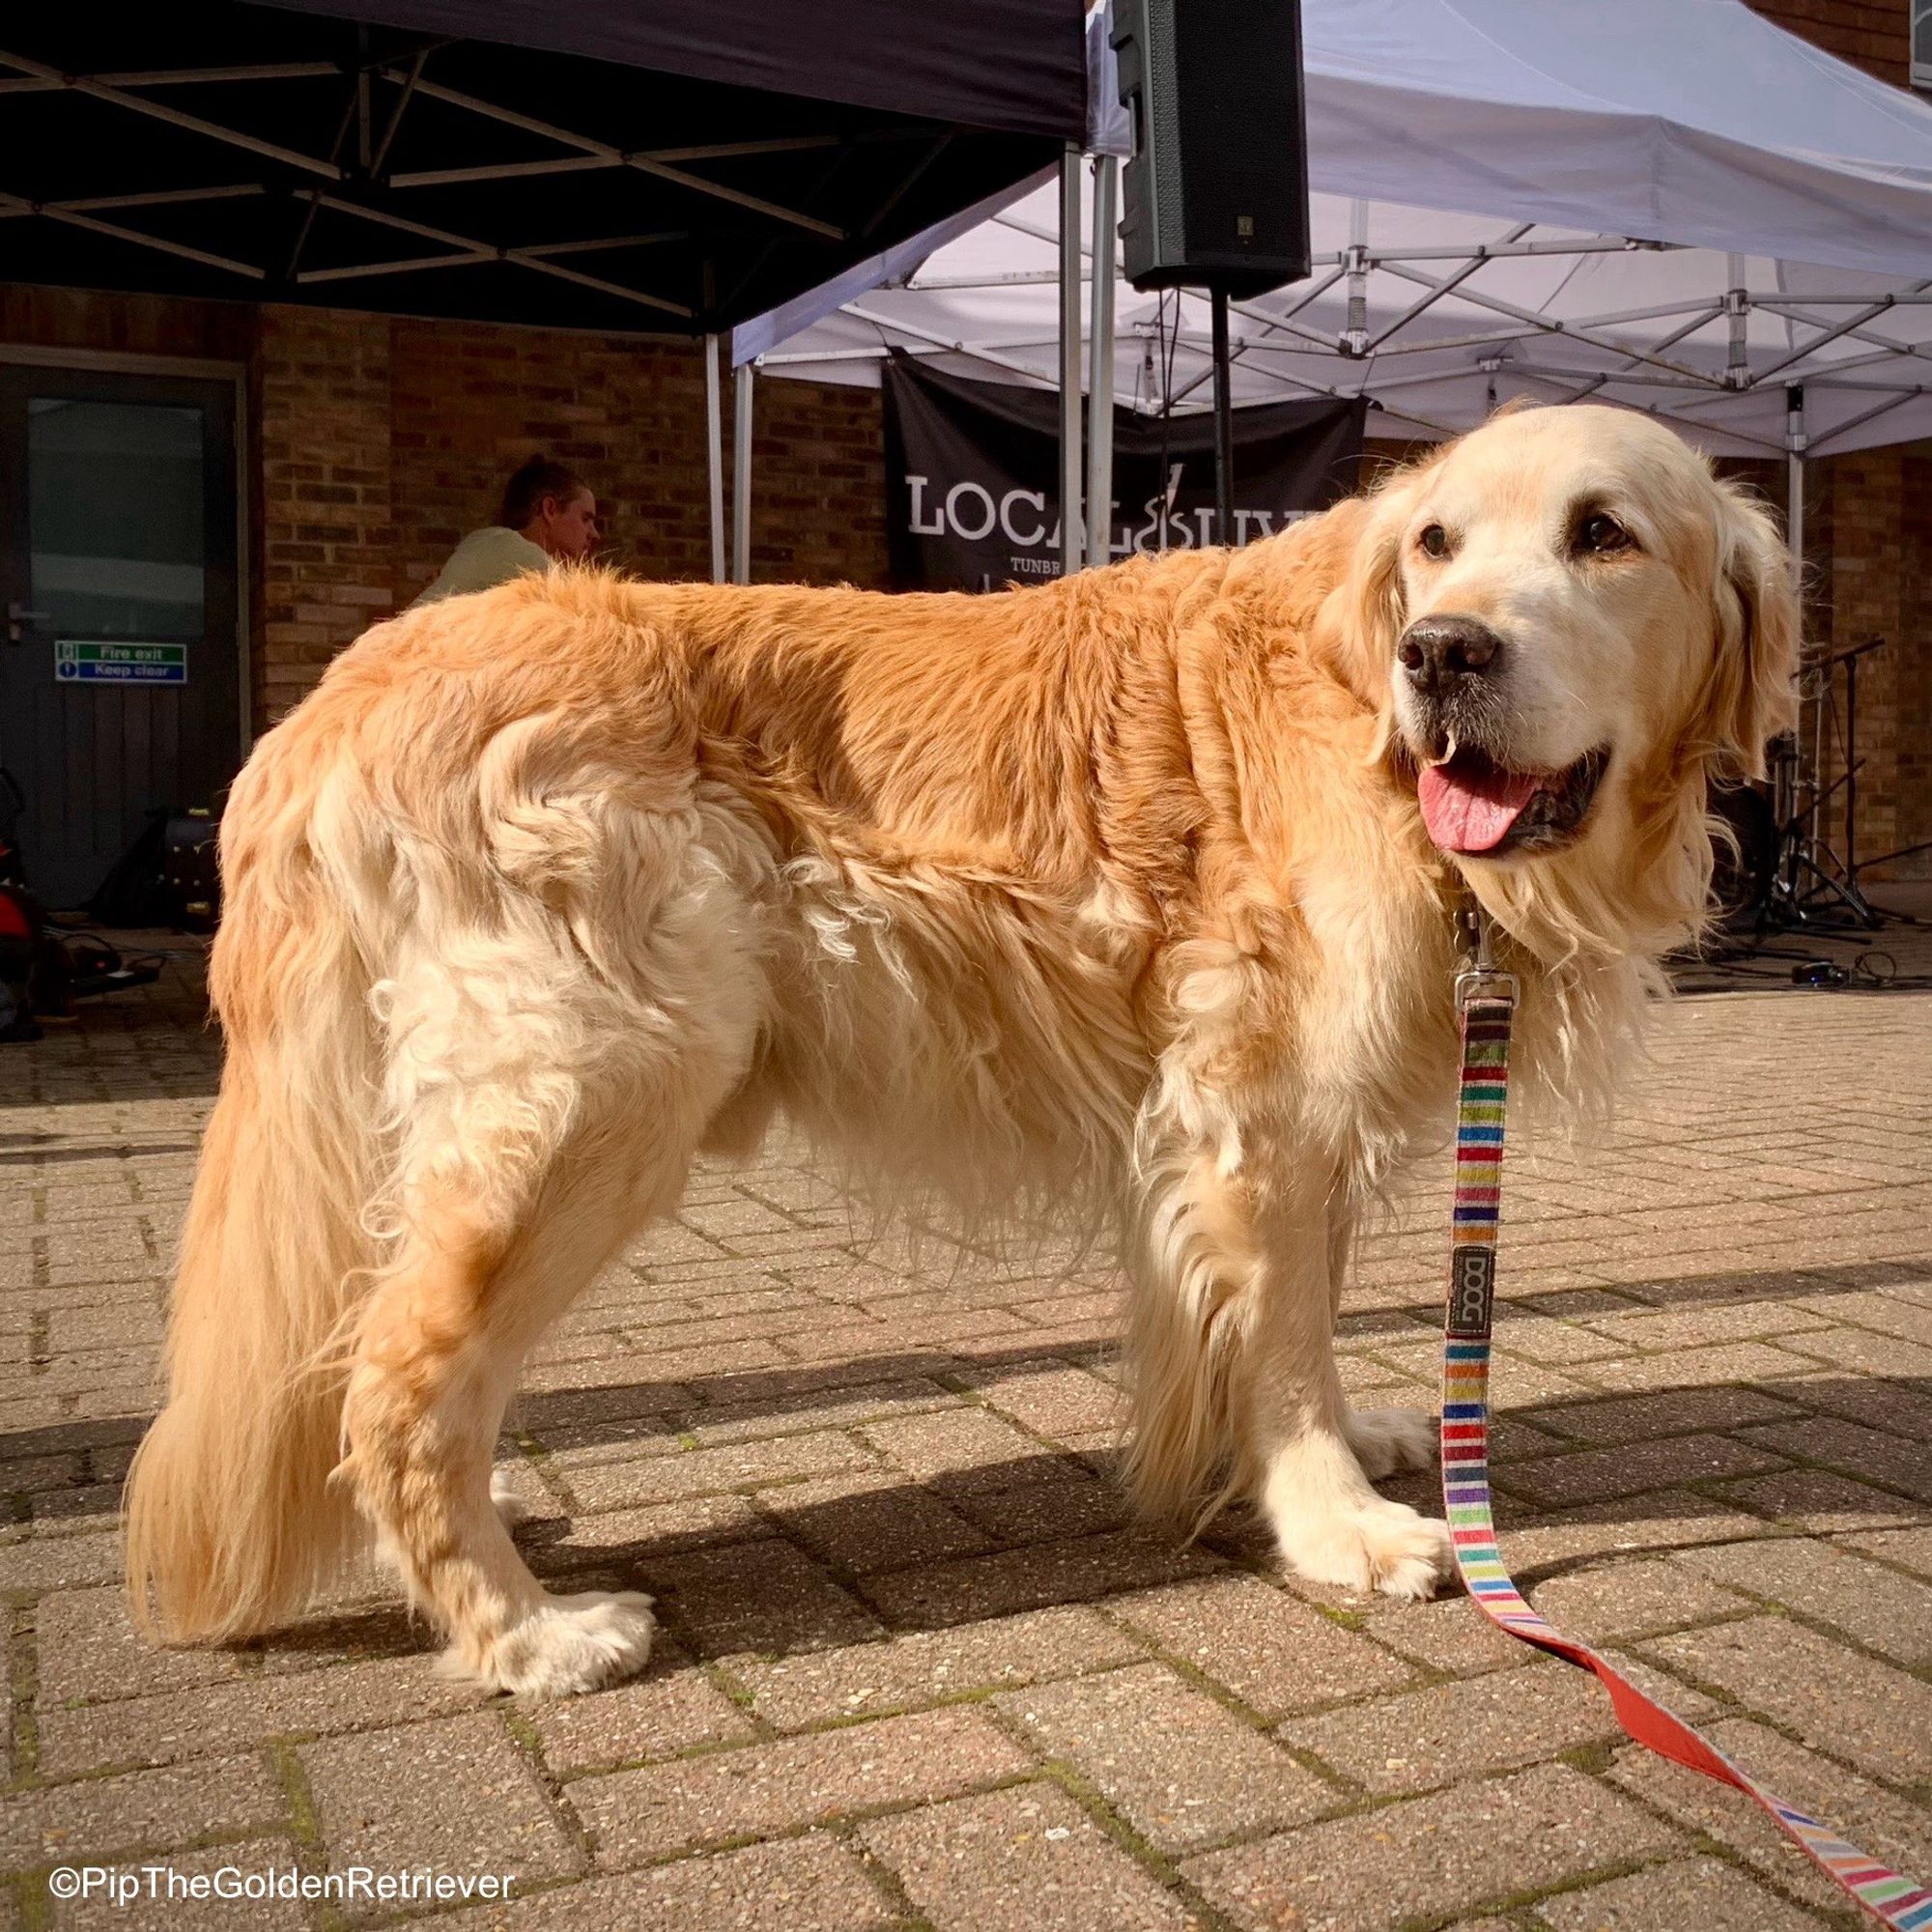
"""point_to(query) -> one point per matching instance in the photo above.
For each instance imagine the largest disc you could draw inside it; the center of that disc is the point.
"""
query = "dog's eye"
(1435, 540)
(1599, 534)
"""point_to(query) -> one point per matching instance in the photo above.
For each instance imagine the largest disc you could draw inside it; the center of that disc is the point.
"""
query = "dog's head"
(1570, 625)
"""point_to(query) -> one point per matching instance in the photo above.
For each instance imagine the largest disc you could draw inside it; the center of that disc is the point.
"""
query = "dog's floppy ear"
(1366, 611)
(1751, 694)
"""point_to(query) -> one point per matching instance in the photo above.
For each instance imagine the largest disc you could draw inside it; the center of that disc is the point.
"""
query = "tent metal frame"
(364, 136)
(1680, 379)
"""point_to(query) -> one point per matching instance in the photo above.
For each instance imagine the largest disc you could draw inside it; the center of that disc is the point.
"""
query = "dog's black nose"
(1436, 651)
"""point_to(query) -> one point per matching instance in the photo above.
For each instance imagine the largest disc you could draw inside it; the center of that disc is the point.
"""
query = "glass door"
(119, 656)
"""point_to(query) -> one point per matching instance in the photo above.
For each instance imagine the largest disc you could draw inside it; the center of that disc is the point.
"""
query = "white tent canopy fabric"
(1687, 121)
(1670, 205)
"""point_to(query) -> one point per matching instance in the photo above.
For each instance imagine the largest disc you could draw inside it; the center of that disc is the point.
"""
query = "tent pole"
(714, 452)
(1100, 366)
(1069, 362)
(741, 479)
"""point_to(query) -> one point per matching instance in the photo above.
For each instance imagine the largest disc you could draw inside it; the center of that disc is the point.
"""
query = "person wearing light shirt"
(548, 516)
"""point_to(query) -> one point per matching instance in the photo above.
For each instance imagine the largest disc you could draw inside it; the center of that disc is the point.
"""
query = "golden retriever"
(1137, 889)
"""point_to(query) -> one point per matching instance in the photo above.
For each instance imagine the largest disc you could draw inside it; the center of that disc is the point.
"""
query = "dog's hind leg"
(436, 1359)
(497, 1246)
(549, 1091)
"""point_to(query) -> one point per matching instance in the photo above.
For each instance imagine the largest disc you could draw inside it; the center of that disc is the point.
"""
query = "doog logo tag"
(1472, 1274)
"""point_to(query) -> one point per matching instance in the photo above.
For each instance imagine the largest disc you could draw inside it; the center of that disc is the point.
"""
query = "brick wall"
(471, 403)
(1912, 778)
(1868, 559)
(385, 440)
(1868, 545)
(818, 484)
(1868, 541)
(1875, 35)
(327, 537)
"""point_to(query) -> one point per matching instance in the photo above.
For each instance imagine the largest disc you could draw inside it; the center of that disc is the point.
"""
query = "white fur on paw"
(569, 1644)
(1379, 1545)
(1387, 1439)
(511, 1509)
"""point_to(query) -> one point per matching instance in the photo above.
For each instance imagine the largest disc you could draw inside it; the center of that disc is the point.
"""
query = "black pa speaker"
(1216, 193)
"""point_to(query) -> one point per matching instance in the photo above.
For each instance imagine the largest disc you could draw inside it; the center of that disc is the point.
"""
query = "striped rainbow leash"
(1486, 1001)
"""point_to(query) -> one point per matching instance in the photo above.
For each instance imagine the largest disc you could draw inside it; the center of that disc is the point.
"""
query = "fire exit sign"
(78, 661)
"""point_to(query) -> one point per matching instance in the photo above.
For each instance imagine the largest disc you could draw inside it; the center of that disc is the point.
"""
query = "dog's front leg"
(1305, 1443)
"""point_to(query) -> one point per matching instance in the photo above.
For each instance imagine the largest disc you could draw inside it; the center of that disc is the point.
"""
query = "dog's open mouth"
(1473, 805)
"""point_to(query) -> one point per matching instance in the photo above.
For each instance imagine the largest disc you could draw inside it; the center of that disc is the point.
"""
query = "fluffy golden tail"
(232, 1521)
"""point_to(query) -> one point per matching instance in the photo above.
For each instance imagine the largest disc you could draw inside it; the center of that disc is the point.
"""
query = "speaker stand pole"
(1795, 443)
(1224, 425)
(1071, 545)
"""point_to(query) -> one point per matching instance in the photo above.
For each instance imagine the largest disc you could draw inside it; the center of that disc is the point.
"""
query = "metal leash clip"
(1480, 977)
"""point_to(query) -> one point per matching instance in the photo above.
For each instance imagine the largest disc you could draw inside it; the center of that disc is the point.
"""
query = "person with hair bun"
(548, 516)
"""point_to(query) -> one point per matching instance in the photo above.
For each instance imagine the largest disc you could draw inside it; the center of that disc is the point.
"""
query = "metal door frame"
(192, 368)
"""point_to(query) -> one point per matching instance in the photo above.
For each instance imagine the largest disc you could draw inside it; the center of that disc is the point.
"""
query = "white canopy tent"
(1670, 205)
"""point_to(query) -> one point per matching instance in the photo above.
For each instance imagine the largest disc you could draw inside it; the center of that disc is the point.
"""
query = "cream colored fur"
(1111, 892)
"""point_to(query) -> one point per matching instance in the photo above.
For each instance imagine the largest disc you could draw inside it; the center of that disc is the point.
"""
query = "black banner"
(972, 477)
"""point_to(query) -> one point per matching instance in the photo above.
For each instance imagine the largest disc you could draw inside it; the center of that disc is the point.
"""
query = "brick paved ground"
(918, 1669)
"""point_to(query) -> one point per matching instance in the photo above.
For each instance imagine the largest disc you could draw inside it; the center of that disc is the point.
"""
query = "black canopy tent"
(617, 166)
(656, 166)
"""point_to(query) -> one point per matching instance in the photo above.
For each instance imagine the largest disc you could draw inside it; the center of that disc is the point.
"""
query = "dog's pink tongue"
(1473, 812)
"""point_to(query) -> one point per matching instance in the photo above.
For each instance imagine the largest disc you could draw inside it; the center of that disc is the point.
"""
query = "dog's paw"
(511, 1508)
(568, 1644)
(1387, 1439)
(1381, 1545)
